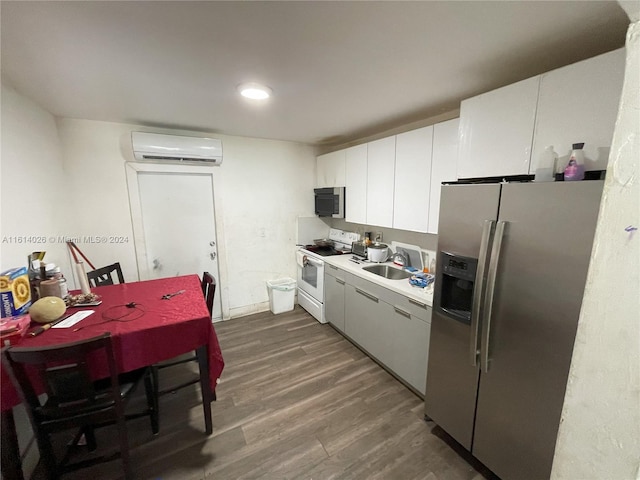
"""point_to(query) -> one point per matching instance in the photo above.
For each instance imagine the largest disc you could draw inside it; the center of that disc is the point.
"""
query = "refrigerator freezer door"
(452, 380)
(541, 274)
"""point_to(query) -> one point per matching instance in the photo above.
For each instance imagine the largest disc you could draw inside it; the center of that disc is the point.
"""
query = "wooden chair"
(104, 275)
(208, 290)
(73, 400)
(208, 285)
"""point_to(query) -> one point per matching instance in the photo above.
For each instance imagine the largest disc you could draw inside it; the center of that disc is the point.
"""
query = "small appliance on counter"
(378, 252)
(359, 248)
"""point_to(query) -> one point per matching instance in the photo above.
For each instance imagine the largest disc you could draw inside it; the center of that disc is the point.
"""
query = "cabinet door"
(496, 131)
(412, 180)
(334, 296)
(444, 163)
(330, 169)
(579, 104)
(367, 322)
(380, 179)
(356, 184)
(410, 348)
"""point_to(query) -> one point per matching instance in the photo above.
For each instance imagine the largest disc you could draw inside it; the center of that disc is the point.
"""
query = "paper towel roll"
(82, 278)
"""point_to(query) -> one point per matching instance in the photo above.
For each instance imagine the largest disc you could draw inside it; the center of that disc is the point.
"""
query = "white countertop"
(403, 287)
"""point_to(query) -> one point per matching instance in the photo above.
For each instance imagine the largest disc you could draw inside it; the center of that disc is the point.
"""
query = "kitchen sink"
(387, 271)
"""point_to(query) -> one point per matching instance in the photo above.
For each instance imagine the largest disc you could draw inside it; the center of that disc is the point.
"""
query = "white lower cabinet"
(334, 283)
(366, 322)
(390, 327)
(410, 347)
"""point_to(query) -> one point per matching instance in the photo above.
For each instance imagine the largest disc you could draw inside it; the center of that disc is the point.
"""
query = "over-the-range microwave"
(329, 202)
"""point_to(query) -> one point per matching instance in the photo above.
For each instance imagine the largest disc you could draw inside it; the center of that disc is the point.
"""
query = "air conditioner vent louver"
(179, 159)
(155, 147)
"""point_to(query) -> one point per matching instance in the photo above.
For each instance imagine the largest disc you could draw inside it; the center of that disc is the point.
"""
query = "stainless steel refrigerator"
(511, 271)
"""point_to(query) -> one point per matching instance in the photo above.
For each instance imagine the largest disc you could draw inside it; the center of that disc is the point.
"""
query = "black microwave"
(329, 202)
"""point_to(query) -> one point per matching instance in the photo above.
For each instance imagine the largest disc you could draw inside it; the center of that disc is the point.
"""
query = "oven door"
(311, 278)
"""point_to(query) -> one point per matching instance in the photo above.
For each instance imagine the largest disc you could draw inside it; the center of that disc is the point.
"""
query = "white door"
(496, 131)
(412, 180)
(381, 166)
(176, 232)
(356, 184)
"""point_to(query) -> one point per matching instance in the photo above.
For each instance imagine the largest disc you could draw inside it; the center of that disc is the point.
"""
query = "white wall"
(599, 436)
(260, 189)
(34, 200)
(33, 204)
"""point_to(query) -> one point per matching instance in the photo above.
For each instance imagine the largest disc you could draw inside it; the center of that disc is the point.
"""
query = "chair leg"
(47, 457)
(90, 437)
(151, 389)
(124, 446)
(205, 387)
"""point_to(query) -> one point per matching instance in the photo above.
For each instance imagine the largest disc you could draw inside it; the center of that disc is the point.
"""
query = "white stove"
(311, 270)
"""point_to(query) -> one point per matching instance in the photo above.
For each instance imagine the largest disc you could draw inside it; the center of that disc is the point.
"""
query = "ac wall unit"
(160, 148)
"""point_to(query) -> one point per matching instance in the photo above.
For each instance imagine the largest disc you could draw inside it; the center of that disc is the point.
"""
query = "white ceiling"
(339, 70)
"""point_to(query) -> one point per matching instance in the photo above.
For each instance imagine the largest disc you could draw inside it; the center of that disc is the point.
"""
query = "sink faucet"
(403, 256)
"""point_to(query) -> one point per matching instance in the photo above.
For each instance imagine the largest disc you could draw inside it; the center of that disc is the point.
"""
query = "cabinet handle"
(368, 295)
(332, 267)
(419, 304)
(341, 282)
(402, 312)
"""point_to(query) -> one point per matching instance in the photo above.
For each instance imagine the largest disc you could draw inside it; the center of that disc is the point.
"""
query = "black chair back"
(209, 290)
(104, 275)
(64, 373)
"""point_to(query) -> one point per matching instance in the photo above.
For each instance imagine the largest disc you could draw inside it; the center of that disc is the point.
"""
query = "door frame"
(132, 170)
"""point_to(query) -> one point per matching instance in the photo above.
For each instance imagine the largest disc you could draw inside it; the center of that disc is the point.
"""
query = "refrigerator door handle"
(488, 300)
(478, 288)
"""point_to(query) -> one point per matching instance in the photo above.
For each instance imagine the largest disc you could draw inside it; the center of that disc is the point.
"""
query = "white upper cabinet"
(412, 180)
(496, 130)
(579, 104)
(330, 169)
(380, 181)
(443, 165)
(356, 184)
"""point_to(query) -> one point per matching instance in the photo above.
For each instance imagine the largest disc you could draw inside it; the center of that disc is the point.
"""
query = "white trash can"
(281, 294)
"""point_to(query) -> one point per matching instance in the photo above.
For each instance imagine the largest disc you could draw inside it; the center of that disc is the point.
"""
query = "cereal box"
(15, 292)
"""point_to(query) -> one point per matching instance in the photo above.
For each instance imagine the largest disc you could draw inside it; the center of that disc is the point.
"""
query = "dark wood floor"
(296, 401)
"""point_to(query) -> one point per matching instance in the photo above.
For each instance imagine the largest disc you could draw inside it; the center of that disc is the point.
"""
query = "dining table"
(150, 321)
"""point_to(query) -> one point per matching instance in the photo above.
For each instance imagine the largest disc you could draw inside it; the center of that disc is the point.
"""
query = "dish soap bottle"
(575, 168)
(546, 165)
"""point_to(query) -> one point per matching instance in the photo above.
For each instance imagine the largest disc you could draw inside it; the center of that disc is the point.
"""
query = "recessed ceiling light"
(254, 91)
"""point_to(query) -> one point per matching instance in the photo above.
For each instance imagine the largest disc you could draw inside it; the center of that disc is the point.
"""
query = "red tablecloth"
(163, 329)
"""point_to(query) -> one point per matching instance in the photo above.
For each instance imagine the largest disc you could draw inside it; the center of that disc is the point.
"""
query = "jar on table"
(54, 273)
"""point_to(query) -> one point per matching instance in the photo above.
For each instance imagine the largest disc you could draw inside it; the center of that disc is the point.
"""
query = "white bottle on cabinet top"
(496, 130)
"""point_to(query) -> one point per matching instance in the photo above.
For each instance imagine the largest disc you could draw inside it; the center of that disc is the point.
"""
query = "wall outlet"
(378, 237)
